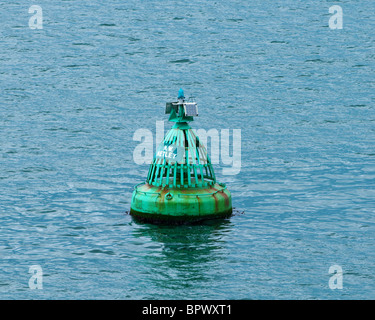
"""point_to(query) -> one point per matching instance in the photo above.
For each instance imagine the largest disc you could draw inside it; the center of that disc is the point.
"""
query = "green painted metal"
(151, 203)
(194, 169)
(181, 185)
(179, 116)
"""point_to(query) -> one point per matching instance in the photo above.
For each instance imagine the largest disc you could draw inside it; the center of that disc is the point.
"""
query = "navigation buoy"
(181, 186)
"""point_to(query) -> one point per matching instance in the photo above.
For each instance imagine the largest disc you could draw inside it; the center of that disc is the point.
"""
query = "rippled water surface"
(73, 94)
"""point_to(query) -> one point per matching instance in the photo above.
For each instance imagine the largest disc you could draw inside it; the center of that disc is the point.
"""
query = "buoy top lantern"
(181, 110)
(181, 185)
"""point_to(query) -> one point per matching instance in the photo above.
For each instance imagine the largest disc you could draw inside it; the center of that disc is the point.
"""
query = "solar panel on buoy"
(191, 109)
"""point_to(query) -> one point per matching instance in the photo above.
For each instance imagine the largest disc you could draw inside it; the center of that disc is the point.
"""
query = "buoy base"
(163, 205)
(176, 220)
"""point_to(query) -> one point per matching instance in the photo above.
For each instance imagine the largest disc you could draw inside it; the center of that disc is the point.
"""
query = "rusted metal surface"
(181, 204)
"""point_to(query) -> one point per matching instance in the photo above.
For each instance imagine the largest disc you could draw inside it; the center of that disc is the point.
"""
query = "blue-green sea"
(74, 92)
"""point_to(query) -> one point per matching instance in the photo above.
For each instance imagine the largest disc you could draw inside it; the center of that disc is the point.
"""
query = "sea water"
(76, 88)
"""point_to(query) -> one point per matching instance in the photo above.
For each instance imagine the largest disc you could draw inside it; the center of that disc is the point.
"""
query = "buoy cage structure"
(181, 186)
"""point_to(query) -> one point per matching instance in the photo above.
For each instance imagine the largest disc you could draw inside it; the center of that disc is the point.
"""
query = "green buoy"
(181, 186)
